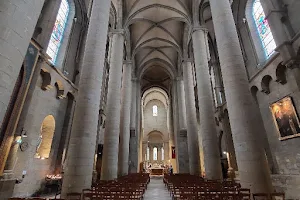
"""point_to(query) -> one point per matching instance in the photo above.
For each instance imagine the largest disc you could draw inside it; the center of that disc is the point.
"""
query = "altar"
(157, 171)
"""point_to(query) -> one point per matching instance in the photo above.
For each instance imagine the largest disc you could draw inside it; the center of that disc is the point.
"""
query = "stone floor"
(156, 190)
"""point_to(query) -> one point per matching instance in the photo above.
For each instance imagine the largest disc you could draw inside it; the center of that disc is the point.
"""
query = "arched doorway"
(46, 137)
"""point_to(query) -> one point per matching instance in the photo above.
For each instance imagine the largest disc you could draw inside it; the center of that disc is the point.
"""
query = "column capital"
(116, 31)
(185, 60)
(200, 28)
(127, 62)
(135, 79)
(213, 63)
(179, 78)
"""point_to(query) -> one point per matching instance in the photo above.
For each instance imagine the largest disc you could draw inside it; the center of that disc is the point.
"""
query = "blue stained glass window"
(263, 28)
(58, 30)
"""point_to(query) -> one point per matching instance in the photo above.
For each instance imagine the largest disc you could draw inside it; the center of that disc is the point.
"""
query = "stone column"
(112, 130)
(125, 119)
(159, 153)
(192, 127)
(18, 20)
(182, 147)
(219, 90)
(229, 142)
(212, 160)
(144, 151)
(249, 152)
(133, 110)
(167, 151)
(181, 104)
(151, 154)
(135, 126)
(82, 144)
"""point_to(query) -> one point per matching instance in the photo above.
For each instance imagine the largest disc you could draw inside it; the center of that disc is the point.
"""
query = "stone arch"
(155, 136)
(166, 66)
(248, 19)
(46, 137)
(265, 83)
(164, 95)
(205, 13)
(46, 79)
(281, 74)
(60, 89)
(113, 16)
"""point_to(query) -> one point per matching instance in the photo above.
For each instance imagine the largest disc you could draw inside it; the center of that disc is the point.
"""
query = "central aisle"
(156, 190)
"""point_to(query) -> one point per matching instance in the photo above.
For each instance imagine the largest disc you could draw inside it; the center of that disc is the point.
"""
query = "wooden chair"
(261, 196)
(16, 198)
(244, 194)
(74, 196)
(277, 196)
(57, 199)
(35, 198)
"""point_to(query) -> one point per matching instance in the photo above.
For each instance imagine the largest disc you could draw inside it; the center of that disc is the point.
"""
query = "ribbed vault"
(156, 30)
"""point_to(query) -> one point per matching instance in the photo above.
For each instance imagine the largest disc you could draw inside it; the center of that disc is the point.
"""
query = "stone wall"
(43, 103)
(293, 7)
(157, 123)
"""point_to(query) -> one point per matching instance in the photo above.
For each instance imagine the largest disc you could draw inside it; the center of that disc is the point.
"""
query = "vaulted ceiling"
(156, 34)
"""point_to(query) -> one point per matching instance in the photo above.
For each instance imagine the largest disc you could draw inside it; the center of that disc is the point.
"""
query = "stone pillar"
(212, 160)
(192, 127)
(159, 157)
(229, 142)
(144, 151)
(181, 104)
(135, 126)
(182, 147)
(133, 110)
(112, 130)
(18, 20)
(167, 151)
(151, 154)
(249, 152)
(82, 144)
(125, 119)
(219, 90)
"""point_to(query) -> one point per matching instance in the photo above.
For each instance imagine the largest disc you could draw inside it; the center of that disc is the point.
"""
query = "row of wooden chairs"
(130, 187)
(31, 198)
(186, 186)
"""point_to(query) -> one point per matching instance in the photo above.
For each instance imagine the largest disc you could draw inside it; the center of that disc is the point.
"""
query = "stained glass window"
(58, 30)
(154, 110)
(263, 28)
(155, 153)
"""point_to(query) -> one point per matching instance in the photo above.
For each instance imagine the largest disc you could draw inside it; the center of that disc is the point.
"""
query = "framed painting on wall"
(285, 118)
